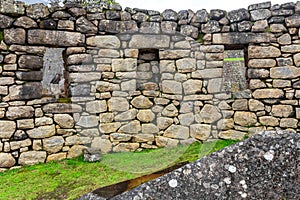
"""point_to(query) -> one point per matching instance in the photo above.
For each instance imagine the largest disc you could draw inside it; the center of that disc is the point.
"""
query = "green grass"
(1, 35)
(69, 179)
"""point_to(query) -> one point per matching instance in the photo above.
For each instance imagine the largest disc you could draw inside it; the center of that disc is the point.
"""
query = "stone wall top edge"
(103, 6)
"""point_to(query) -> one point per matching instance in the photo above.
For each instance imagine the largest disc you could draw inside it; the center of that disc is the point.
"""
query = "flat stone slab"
(265, 166)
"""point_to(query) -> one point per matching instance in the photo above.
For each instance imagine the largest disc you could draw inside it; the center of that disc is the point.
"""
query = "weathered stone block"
(268, 94)
(215, 85)
(6, 160)
(25, 22)
(293, 21)
(165, 142)
(268, 121)
(85, 26)
(149, 41)
(171, 87)
(6, 21)
(245, 118)
(145, 115)
(293, 48)
(209, 114)
(109, 127)
(104, 145)
(285, 72)
(126, 147)
(110, 42)
(19, 112)
(25, 124)
(262, 63)
(141, 102)
(75, 151)
(32, 157)
(6, 80)
(243, 38)
(53, 144)
(56, 38)
(30, 76)
(30, 62)
(124, 65)
(255, 105)
(282, 110)
(76, 139)
(260, 14)
(88, 121)
(208, 73)
(186, 65)
(133, 127)
(263, 52)
(149, 129)
(62, 108)
(14, 36)
(189, 30)
(7, 129)
(232, 135)
(118, 104)
(238, 15)
(200, 131)
(64, 120)
(120, 137)
(177, 132)
(192, 86)
(77, 59)
(174, 54)
(42, 132)
(85, 77)
(289, 123)
(31, 90)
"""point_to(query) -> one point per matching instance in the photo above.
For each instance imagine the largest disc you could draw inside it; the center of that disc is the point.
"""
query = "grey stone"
(149, 41)
(277, 28)
(293, 21)
(108, 41)
(238, 15)
(76, 140)
(168, 27)
(260, 26)
(6, 21)
(104, 145)
(293, 48)
(177, 132)
(120, 137)
(285, 39)
(261, 63)
(62, 108)
(255, 105)
(170, 111)
(124, 65)
(30, 62)
(207, 73)
(19, 112)
(55, 38)
(37, 11)
(132, 127)
(211, 27)
(245, 118)
(209, 114)
(32, 157)
(171, 87)
(260, 14)
(169, 15)
(88, 121)
(232, 135)
(201, 16)
(242, 38)
(48, 24)
(164, 122)
(14, 36)
(42, 132)
(263, 52)
(30, 76)
(189, 30)
(244, 26)
(186, 65)
(259, 6)
(85, 26)
(258, 73)
(289, 123)
(12, 7)
(75, 151)
(284, 72)
(217, 14)
(215, 85)
(53, 144)
(268, 121)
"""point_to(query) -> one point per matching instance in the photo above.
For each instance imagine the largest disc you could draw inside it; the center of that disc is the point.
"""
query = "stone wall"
(111, 80)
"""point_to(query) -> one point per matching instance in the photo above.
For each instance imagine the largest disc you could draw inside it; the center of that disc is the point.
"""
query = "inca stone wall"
(111, 80)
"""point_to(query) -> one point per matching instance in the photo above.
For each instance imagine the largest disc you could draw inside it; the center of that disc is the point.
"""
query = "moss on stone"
(1, 35)
(200, 38)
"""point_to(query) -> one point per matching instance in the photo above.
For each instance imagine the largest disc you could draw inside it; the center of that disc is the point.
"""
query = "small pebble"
(232, 169)
(269, 155)
(173, 183)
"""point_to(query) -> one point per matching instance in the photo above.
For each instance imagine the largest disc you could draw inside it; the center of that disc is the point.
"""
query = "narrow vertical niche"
(235, 68)
(148, 69)
(55, 77)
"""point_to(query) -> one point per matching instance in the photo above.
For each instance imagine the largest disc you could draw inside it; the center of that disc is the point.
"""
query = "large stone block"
(126, 147)
(208, 73)
(25, 22)
(55, 38)
(85, 26)
(200, 131)
(30, 76)
(109, 127)
(293, 48)
(245, 118)
(118, 104)
(186, 65)
(104, 145)
(263, 52)
(149, 41)
(32, 157)
(268, 94)
(171, 87)
(12, 7)
(42, 132)
(53, 144)
(232, 135)
(141, 102)
(286, 72)
(85, 77)
(238, 15)
(282, 110)
(177, 132)
(262, 63)
(31, 90)
(260, 14)
(88, 121)
(19, 112)
(132, 127)
(293, 21)
(62, 108)
(165, 142)
(124, 65)
(268, 121)
(37, 11)
(209, 114)
(30, 62)
(64, 120)
(109, 41)
(192, 86)
(14, 36)
(7, 129)
(6, 21)
(243, 38)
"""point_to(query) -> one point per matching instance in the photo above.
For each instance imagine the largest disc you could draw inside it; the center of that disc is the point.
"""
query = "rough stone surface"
(53, 144)
(32, 157)
(7, 128)
(6, 160)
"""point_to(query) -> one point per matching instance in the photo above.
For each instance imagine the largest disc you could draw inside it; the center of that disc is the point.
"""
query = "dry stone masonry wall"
(114, 80)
